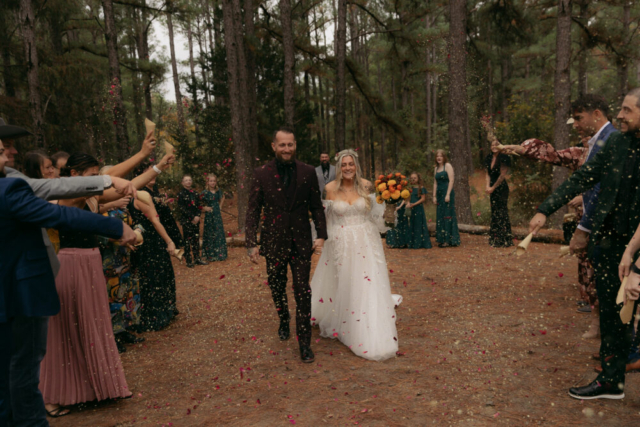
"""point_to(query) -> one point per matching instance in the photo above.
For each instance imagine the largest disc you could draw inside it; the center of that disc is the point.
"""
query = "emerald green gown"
(446, 222)
(418, 232)
(398, 237)
(214, 241)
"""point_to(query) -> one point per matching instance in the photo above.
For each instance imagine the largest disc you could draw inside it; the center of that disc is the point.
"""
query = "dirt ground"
(485, 337)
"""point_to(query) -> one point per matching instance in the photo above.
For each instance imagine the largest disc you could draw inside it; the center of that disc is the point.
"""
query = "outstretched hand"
(537, 222)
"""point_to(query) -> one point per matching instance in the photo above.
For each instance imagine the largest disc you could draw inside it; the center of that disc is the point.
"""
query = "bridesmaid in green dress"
(398, 237)
(418, 232)
(443, 196)
(214, 242)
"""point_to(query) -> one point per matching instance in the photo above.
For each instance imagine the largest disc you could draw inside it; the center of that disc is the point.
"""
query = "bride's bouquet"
(391, 189)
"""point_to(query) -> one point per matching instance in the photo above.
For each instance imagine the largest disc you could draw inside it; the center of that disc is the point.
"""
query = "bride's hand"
(318, 244)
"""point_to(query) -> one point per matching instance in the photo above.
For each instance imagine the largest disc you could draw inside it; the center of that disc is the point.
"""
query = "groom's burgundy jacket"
(285, 221)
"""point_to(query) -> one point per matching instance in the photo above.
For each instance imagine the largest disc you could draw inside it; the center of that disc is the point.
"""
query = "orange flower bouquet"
(391, 189)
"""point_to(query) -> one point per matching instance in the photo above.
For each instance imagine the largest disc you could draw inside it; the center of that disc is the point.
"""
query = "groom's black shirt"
(286, 171)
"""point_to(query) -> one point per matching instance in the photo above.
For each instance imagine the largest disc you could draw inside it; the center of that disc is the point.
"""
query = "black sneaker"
(190, 265)
(597, 390)
(202, 262)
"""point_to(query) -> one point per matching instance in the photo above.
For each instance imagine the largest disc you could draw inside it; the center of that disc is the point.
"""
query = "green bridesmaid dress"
(446, 222)
(214, 241)
(398, 237)
(418, 232)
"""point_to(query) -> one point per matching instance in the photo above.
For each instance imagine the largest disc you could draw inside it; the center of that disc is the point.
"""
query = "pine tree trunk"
(251, 89)
(458, 148)
(135, 86)
(505, 89)
(27, 27)
(194, 88)
(341, 91)
(182, 132)
(142, 40)
(623, 60)
(289, 62)
(203, 72)
(236, 69)
(383, 155)
(562, 93)
(119, 112)
(5, 51)
(427, 90)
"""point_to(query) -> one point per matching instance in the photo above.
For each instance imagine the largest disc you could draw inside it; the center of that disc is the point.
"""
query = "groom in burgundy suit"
(285, 191)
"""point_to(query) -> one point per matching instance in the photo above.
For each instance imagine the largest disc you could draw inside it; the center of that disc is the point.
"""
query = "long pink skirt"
(82, 361)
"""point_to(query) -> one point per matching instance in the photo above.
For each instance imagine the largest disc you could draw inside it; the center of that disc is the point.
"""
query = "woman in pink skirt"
(82, 363)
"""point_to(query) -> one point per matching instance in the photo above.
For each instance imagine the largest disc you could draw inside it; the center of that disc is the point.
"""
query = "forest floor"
(485, 337)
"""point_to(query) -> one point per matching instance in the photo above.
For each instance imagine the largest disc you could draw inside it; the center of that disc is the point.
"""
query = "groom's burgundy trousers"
(300, 270)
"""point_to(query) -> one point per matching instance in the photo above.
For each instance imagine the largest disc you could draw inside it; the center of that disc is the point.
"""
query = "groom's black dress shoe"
(283, 331)
(597, 390)
(306, 354)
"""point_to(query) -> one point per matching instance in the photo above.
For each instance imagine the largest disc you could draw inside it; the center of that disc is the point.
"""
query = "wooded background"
(394, 79)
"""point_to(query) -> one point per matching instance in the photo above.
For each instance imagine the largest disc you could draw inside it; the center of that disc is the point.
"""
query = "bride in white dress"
(352, 298)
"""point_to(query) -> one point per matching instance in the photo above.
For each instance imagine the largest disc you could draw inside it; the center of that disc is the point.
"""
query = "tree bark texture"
(194, 87)
(289, 62)
(341, 91)
(427, 90)
(182, 132)
(623, 59)
(458, 148)
(142, 40)
(234, 45)
(251, 88)
(27, 27)
(562, 93)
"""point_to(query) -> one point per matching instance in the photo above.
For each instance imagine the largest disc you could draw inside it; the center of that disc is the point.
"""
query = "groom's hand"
(253, 253)
(318, 244)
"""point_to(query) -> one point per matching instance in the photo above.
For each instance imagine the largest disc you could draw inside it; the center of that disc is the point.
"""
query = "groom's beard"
(291, 159)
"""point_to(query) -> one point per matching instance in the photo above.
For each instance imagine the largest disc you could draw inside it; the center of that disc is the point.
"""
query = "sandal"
(55, 413)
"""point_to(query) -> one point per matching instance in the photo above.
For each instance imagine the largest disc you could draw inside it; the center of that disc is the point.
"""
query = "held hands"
(318, 244)
(196, 220)
(128, 236)
(253, 253)
(207, 209)
(537, 222)
(148, 145)
(124, 187)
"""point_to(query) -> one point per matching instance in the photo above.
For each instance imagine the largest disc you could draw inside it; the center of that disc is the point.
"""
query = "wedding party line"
(87, 255)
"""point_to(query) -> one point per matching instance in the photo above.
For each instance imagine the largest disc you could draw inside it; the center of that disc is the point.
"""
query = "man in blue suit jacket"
(590, 120)
(27, 290)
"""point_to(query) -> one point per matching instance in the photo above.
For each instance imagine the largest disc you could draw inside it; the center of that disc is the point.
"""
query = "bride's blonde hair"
(360, 188)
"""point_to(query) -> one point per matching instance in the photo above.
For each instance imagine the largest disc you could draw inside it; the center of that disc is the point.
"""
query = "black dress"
(157, 279)
(500, 233)
(166, 216)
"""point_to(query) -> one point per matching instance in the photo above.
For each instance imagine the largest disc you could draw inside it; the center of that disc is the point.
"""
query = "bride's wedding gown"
(352, 298)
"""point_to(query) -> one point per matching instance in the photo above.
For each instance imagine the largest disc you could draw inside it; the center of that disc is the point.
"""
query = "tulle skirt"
(82, 361)
(352, 298)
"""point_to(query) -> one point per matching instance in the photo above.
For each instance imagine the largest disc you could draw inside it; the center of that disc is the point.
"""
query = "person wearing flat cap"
(27, 279)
